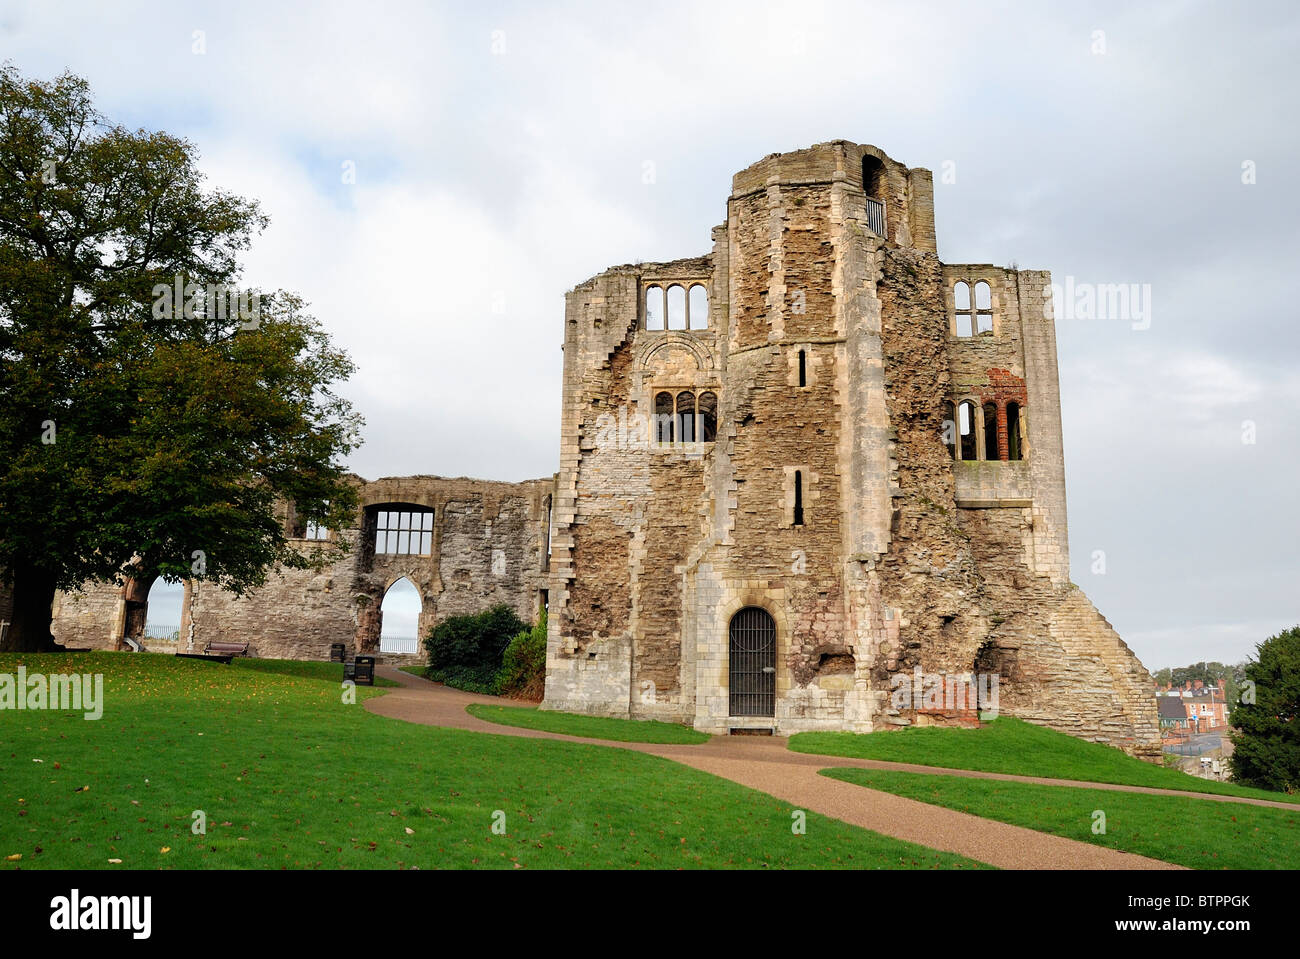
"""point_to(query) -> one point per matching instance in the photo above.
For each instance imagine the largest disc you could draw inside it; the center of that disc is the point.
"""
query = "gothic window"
(697, 307)
(1014, 443)
(990, 431)
(686, 417)
(654, 308)
(966, 430)
(663, 418)
(708, 417)
(676, 307)
(961, 300)
(949, 429)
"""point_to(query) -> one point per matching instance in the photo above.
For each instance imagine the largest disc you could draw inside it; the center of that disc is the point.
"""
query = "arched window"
(962, 307)
(966, 430)
(686, 417)
(399, 630)
(163, 610)
(697, 307)
(676, 307)
(1015, 446)
(950, 429)
(708, 417)
(654, 308)
(990, 431)
(983, 308)
(663, 424)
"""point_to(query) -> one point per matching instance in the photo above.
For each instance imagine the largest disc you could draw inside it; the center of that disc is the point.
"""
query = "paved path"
(766, 764)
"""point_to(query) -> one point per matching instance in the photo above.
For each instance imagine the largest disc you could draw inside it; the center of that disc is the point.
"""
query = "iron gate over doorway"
(752, 683)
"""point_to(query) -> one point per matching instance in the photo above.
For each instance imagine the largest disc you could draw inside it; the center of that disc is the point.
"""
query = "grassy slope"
(292, 667)
(1199, 833)
(591, 727)
(290, 776)
(1008, 745)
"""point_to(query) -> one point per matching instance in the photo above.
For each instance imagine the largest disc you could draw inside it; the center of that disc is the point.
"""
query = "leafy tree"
(1266, 746)
(144, 433)
(523, 664)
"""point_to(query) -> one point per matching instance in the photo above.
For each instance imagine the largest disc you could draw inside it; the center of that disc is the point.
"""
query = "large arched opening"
(400, 609)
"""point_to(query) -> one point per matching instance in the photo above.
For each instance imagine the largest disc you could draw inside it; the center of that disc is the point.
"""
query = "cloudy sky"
(499, 154)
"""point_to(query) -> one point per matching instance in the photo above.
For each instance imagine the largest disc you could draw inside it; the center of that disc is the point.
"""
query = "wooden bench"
(226, 649)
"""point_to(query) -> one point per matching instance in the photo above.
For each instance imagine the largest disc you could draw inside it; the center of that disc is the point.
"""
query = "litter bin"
(364, 671)
(338, 653)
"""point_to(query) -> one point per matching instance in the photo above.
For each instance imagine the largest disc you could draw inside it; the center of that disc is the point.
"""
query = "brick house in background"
(1193, 706)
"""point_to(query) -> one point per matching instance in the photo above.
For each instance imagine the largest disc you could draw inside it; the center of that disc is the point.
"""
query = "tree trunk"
(33, 609)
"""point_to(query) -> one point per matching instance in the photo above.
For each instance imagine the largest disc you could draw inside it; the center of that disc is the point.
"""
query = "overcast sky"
(500, 153)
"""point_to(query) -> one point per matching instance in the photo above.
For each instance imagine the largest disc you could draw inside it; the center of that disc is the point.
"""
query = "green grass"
(1198, 833)
(311, 670)
(1008, 745)
(415, 670)
(289, 776)
(590, 727)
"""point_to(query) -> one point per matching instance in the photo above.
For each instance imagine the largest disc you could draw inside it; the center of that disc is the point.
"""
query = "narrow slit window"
(798, 498)
(803, 368)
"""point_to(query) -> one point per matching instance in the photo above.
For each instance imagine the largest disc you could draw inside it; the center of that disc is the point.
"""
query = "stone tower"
(817, 468)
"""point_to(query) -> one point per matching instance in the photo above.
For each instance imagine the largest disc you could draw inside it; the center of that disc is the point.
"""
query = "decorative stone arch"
(674, 339)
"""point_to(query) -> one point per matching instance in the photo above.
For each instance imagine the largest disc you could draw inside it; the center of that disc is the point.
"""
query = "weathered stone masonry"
(810, 463)
(833, 495)
(488, 545)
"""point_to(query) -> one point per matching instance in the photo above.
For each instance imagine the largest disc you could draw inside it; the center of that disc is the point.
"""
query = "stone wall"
(829, 497)
(488, 546)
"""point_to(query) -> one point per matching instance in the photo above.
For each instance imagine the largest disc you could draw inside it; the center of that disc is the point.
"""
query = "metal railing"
(876, 217)
(162, 631)
(393, 644)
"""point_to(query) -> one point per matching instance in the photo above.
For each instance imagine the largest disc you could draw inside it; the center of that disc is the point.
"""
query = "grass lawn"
(1008, 745)
(591, 727)
(1199, 833)
(290, 776)
(292, 667)
(414, 670)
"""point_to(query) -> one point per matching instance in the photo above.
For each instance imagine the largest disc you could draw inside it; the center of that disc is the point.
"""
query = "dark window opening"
(686, 417)
(798, 498)
(803, 369)
(664, 418)
(966, 430)
(873, 177)
(990, 432)
(1013, 431)
(950, 429)
(708, 417)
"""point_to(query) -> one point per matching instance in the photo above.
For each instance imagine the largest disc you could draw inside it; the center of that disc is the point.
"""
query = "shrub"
(523, 664)
(465, 651)
(1266, 747)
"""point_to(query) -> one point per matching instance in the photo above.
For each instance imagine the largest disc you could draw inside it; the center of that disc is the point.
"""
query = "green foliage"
(137, 427)
(465, 651)
(1266, 746)
(523, 664)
